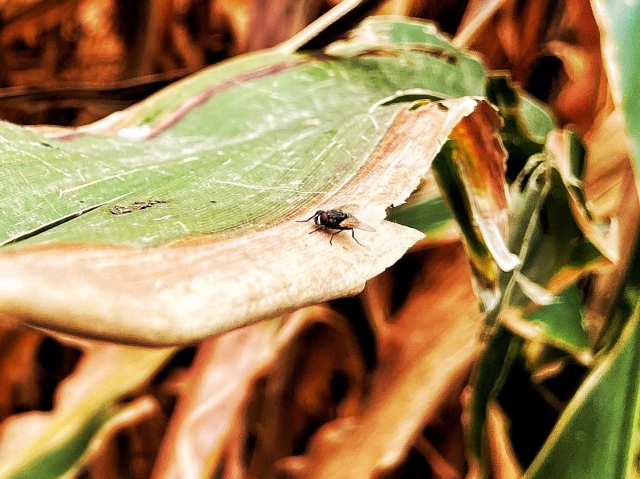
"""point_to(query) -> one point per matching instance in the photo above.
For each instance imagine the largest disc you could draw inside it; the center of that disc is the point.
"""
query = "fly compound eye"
(324, 218)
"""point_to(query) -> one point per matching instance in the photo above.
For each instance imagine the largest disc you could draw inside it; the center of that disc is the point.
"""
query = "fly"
(338, 219)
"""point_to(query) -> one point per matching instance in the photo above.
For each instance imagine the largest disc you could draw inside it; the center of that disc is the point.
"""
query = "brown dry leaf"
(424, 357)
(218, 381)
(19, 375)
(518, 27)
(441, 469)
(274, 21)
(315, 376)
(237, 365)
(482, 162)
(581, 93)
(530, 32)
(233, 15)
(477, 17)
(473, 183)
(446, 14)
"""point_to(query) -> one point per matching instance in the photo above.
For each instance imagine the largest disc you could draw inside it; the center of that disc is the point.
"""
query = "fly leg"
(353, 235)
(337, 232)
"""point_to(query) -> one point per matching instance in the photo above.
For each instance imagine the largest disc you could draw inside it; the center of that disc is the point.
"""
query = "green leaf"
(561, 323)
(549, 210)
(540, 308)
(597, 434)
(431, 216)
(526, 123)
(500, 352)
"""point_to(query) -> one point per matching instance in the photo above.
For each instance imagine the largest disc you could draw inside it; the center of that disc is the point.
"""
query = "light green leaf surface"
(431, 216)
(561, 323)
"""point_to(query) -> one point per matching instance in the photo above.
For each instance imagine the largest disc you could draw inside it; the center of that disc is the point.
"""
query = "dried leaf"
(219, 378)
(317, 376)
(424, 357)
(19, 376)
(471, 172)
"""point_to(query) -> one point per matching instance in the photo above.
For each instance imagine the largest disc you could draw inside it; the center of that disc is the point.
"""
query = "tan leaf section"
(295, 395)
(184, 292)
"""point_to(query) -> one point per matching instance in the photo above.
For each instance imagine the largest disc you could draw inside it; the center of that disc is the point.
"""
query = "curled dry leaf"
(477, 15)
(272, 22)
(316, 376)
(228, 406)
(187, 291)
(218, 381)
(471, 172)
(506, 33)
(481, 161)
(440, 467)
(425, 355)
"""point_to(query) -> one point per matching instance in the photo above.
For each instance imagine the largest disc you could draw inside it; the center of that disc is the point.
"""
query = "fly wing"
(352, 222)
(350, 208)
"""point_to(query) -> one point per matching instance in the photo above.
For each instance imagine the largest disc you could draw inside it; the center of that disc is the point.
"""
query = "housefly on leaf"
(338, 219)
